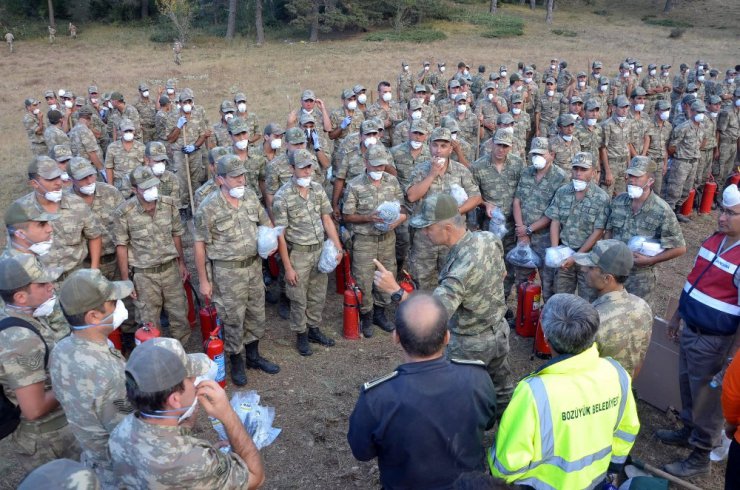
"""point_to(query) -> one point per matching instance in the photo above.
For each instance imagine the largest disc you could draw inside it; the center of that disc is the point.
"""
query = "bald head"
(421, 325)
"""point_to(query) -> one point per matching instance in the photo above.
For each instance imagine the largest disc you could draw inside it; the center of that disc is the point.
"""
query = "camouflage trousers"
(679, 180)
(618, 167)
(571, 278)
(109, 269)
(703, 172)
(307, 298)
(658, 177)
(239, 296)
(492, 347)
(723, 168)
(198, 172)
(403, 243)
(641, 283)
(365, 248)
(39, 149)
(425, 261)
(33, 447)
(157, 290)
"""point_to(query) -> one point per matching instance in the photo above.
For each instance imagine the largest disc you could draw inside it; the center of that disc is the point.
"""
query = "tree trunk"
(259, 24)
(494, 6)
(52, 22)
(314, 34)
(532, 4)
(231, 23)
(668, 6)
(144, 9)
(550, 6)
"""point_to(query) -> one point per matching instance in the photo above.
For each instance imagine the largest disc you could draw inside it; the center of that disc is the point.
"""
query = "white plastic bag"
(555, 256)
(459, 194)
(257, 419)
(389, 211)
(267, 239)
(328, 259)
(497, 225)
(523, 256)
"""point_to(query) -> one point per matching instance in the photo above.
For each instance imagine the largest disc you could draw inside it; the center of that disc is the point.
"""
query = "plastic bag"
(389, 211)
(459, 194)
(497, 225)
(645, 246)
(267, 240)
(328, 259)
(257, 419)
(555, 256)
(523, 256)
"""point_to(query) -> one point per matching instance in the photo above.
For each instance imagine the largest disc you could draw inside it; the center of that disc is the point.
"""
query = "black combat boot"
(696, 464)
(256, 361)
(302, 344)
(238, 376)
(381, 320)
(317, 337)
(366, 324)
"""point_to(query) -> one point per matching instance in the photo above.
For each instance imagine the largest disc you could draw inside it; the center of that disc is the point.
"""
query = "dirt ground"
(314, 396)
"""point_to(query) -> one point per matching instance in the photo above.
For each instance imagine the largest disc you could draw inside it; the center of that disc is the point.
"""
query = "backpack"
(10, 415)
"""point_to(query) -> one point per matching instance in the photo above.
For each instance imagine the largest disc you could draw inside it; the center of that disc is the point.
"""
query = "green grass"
(495, 26)
(564, 33)
(654, 21)
(413, 35)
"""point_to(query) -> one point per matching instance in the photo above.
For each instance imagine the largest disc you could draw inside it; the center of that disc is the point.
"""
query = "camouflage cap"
(44, 167)
(420, 88)
(118, 96)
(227, 106)
(621, 101)
(216, 152)
(126, 125)
(308, 95)
(306, 118)
(240, 97)
(502, 137)
(61, 473)
(640, 165)
(550, 80)
(582, 159)
(79, 168)
(87, 289)
(566, 120)
(142, 177)
(238, 126)
(186, 94)
(597, 64)
(20, 270)
(30, 101)
(295, 136)
(698, 106)
(454, 83)
(377, 156)
(61, 153)
(357, 89)
(49, 93)
(435, 208)
(715, 99)
(419, 126)
(539, 146)
(505, 118)
(347, 93)
(663, 105)
(415, 104)
(451, 124)
(441, 134)
(367, 126)
(592, 104)
(274, 128)
(143, 87)
(19, 213)
(230, 166)
(516, 99)
(576, 99)
(156, 151)
(638, 91)
(161, 363)
(92, 89)
(611, 256)
(301, 158)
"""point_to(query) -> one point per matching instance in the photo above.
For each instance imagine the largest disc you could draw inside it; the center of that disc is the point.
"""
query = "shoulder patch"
(470, 362)
(380, 380)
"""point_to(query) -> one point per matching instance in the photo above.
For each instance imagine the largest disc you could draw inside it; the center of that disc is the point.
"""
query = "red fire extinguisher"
(115, 339)
(688, 205)
(707, 196)
(343, 272)
(214, 348)
(208, 316)
(191, 302)
(352, 302)
(146, 332)
(528, 299)
(541, 347)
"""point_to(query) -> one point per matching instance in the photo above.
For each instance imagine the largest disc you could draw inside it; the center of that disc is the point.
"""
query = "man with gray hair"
(583, 403)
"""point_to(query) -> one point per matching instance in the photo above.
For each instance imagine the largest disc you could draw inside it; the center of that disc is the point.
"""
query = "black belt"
(234, 264)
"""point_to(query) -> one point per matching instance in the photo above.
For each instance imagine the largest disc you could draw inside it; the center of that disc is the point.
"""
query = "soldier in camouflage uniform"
(386, 110)
(534, 192)
(123, 156)
(687, 140)
(210, 185)
(147, 109)
(546, 108)
(364, 194)
(148, 233)
(154, 448)
(497, 176)
(33, 122)
(564, 145)
(226, 235)
(469, 287)
(728, 128)
(250, 118)
(53, 134)
(615, 148)
(155, 156)
(43, 434)
(120, 111)
(303, 208)
(656, 142)
(87, 375)
(221, 135)
(640, 212)
(437, 175)
(490, 105)
(578, 211)
(625, 320)
(83, 141)
(709, 152)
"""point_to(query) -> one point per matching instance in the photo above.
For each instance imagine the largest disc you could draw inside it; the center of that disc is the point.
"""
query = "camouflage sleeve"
(468, 183)
(23, 364)
(671, 235)
(279, 210)
(350, 200)
(120, 226)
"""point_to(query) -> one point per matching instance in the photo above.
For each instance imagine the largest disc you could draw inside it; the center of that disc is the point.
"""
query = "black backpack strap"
(12, 321)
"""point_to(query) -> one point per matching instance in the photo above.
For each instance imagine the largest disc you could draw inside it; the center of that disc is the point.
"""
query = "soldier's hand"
(206, 289)
(384, 279)
(291, 276)
(213, 399)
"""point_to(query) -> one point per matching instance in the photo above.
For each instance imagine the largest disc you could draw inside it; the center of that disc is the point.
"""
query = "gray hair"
(569, 323)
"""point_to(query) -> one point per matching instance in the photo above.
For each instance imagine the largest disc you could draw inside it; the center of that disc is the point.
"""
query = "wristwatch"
(397, 296)
(529, 230)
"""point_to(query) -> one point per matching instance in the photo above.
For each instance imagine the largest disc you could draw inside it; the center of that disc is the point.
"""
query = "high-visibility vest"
(709, 297)
(566, 423)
